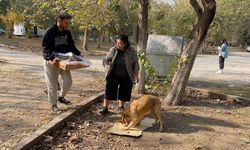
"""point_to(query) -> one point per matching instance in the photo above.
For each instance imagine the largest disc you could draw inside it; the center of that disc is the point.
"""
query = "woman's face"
(120, 44)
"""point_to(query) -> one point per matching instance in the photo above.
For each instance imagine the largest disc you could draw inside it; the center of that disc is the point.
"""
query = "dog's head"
(126, 118)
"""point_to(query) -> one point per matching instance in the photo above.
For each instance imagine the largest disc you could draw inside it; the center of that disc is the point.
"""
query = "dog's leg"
(158, 113)
(156, 117)
(131, 125)
(133, 122)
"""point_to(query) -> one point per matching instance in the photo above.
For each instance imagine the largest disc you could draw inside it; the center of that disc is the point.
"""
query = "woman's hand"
(136, 78)
(219, 48)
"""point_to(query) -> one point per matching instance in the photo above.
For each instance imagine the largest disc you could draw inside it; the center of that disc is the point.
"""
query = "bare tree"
(142, 41)
(196, 38)
(85, 41)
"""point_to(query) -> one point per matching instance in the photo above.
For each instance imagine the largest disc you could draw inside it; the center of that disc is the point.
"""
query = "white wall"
(19, 29)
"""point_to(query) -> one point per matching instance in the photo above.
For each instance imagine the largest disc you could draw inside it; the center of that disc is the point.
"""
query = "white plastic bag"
(71, 59)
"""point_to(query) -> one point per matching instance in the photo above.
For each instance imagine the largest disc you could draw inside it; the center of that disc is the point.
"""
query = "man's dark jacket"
(59, 42)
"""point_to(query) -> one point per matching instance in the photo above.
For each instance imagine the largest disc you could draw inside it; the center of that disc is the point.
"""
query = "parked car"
(2, 32)
(248, 48)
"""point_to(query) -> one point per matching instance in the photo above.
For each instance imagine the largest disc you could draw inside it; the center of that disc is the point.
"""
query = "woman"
(121, 74)
(223, 53)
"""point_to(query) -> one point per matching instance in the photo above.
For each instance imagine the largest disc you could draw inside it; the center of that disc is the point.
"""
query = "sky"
(166, 1)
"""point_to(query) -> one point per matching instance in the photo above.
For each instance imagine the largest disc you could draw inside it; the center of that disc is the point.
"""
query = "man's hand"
(55, 61)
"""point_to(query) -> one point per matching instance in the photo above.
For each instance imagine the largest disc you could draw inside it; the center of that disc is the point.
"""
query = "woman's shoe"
(103, 111)
(220, 71)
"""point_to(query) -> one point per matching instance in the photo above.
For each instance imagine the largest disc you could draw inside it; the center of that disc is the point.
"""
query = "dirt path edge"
(59, 121)
(55, 124)
(216, 95)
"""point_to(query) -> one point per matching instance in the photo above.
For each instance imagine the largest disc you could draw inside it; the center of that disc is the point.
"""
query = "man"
(58, 39)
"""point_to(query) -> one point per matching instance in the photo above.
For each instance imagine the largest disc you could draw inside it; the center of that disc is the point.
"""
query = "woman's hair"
(224, 41)
(124, 39)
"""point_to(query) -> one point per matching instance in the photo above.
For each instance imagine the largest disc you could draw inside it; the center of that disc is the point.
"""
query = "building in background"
(19, 29)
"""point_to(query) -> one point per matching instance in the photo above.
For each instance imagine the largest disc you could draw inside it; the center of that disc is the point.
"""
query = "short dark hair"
(124, 39)
(63, 16)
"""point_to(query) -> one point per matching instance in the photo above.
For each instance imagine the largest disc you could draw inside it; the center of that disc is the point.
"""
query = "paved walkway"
(236, 71)
(237, 66)
(23, 104)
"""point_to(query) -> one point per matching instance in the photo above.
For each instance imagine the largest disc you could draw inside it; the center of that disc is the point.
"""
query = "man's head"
(63, 20)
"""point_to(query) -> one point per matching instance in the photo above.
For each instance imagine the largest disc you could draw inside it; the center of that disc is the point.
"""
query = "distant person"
(223, 54)
(58, 39)
(121, 74)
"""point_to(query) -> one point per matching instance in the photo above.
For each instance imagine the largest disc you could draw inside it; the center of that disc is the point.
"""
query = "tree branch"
(208, 4)
(197, 8)
(209, 8)
(204, 3)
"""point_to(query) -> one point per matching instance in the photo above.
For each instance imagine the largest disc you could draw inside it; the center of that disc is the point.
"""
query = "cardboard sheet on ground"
(137, 131)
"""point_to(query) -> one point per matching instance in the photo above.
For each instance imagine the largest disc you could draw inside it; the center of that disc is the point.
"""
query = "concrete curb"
(55, 124)
(214, 95)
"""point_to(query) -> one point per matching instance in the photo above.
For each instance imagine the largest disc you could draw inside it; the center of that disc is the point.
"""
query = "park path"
(23, 104)
(236, 71)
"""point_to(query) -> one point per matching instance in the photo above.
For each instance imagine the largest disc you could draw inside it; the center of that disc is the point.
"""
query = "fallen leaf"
(48, 138)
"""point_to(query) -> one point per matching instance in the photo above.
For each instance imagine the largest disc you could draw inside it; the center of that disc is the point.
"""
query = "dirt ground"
(23, 103)
(200, 124)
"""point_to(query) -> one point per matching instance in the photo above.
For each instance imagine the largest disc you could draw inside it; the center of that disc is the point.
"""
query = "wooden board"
(134, 132)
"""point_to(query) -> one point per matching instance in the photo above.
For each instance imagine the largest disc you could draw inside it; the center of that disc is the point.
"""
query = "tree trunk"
(85, 40)
(109, 37)
(100, 38)
(142, 41)
(205, 45)
(198, 34)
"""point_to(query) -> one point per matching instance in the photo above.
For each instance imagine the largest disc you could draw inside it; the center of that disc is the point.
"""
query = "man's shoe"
(63, 100)
(103, 111)
(55, 109)
(120, 109)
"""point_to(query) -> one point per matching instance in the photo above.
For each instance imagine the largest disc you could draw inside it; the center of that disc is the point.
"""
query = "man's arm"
(72, 46)
(48, 46)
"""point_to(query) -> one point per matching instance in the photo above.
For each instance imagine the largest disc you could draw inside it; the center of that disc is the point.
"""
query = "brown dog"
(147, 104)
